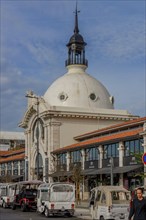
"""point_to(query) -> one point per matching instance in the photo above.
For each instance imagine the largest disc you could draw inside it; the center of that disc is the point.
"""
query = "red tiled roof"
(12, 152)
(3, 152)
(102, 139)
(113, 127)
(12, 158)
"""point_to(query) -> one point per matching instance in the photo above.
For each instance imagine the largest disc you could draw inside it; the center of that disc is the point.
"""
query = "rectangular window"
(92, 154)
(75, 156)
(111, 150)
(133, 146)
(9, 166)
(22, 164)
(62, 158)
(3, 166)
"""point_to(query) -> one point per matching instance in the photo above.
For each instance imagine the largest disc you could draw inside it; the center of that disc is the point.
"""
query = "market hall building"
(109, 154)
(76, 103)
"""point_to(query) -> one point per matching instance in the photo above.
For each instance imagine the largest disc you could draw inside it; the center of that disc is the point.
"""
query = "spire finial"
(76, 29)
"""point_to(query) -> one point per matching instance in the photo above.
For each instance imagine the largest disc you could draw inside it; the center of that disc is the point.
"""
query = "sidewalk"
(82, 210)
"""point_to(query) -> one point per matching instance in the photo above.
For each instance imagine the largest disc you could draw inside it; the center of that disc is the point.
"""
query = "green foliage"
(6, 179)
(76, 174)
(77, 179)
(138, 157)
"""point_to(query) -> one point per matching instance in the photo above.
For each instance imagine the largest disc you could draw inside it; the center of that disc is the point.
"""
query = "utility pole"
(112, 165)
(33, 96)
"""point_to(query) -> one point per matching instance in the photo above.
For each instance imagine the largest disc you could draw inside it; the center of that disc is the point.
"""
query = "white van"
(109, 202)
(6, 193)
(56, 199)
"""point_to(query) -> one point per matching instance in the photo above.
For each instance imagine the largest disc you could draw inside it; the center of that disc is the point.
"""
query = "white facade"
(58, 126)
(74, 104)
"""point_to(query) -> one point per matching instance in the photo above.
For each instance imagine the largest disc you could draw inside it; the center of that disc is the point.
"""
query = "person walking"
(138, 208)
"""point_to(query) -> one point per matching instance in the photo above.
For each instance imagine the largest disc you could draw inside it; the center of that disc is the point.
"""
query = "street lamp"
(31, 95)
(112, 166)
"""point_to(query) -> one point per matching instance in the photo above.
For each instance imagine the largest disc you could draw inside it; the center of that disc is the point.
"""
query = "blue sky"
(34, 34)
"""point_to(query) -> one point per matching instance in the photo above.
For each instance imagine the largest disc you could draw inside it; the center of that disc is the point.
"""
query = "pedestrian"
(138, 208)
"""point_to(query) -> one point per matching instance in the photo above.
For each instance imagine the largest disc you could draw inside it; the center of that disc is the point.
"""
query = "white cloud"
(33, 38)
(41, 52)
(120, 41)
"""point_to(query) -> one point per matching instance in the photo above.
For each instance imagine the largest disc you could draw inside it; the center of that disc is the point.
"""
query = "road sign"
(144, 158)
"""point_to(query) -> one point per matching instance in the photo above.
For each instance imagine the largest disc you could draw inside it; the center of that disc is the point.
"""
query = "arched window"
(39, 161)
(111, 150)
(38, 130)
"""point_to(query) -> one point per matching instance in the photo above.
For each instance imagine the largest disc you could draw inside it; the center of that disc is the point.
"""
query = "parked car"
(56, 198)
(26, 199)
(25, 195)
(6, 192)
(109, 202)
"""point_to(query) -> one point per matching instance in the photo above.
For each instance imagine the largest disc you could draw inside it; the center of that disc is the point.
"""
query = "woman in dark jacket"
(138, 209)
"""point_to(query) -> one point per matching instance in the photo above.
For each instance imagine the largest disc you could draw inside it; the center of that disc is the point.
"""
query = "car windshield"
(62, 188)
(119, 196)
(62, 193)
(30, 192)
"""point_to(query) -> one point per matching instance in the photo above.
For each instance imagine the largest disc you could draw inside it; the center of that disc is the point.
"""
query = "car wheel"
(46, 212)
(23, 207)
(102, 218)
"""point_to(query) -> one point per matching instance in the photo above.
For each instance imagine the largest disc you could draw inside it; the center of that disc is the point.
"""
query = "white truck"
(56, 198)
(109, 202)
(6, 194)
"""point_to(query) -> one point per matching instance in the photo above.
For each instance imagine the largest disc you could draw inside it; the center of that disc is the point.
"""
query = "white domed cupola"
(76, 88)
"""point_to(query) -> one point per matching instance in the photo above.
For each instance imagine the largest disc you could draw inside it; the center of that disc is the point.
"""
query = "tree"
(6, 179)
(138, 157)
(77, 179)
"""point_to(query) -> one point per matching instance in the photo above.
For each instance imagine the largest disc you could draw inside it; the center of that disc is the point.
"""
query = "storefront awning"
(60, 173)
(107, 170)
(127, 169)
(96, 171)
(89, 172)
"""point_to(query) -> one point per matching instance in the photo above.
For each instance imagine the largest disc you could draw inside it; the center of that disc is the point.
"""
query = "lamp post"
(33, 96)
(112, 165)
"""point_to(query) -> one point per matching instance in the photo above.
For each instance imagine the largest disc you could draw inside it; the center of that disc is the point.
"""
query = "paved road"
(9, 214)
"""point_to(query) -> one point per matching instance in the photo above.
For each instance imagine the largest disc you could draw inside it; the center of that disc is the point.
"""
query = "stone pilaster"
(121, 155)
(100, 148)
(68, 160)
(83, 159)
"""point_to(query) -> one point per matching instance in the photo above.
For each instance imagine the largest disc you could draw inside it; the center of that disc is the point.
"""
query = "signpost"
(144, 162)
(144, 158)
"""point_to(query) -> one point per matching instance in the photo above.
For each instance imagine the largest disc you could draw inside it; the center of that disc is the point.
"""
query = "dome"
(76, 38)
(76, 88)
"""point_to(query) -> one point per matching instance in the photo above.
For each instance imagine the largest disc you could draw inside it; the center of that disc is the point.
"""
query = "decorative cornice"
(58, 114)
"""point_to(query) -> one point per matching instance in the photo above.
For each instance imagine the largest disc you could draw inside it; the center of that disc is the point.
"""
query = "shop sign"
(91, 164)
